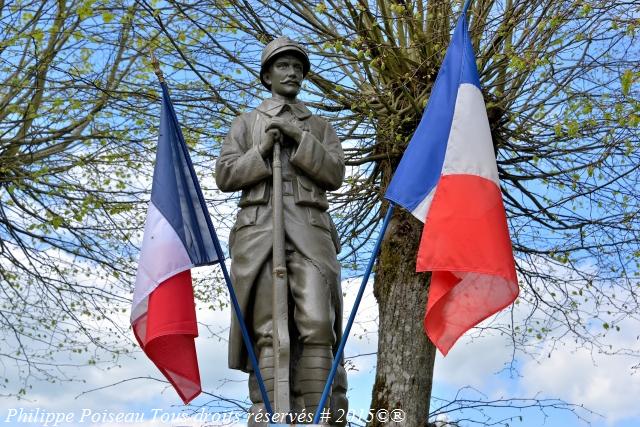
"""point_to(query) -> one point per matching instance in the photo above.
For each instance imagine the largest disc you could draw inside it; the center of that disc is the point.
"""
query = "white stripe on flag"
(470, 148)
(162, 255)
(421, 210)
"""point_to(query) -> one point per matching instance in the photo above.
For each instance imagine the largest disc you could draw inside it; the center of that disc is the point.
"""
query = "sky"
(604, 384)
(476, 367)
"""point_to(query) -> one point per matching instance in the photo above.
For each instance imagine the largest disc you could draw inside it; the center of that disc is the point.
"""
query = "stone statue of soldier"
(312, 163)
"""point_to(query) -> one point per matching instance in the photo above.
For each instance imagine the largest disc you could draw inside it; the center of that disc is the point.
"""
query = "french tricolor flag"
(178, 235)
(448, 179)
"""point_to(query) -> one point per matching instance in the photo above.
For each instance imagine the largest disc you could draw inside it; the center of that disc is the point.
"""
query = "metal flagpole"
(352, 316)
(245, 335)
(218, 248)
(465, 8)
(280, 310)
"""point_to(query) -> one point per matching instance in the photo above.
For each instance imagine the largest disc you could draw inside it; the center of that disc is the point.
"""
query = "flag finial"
(156, 67)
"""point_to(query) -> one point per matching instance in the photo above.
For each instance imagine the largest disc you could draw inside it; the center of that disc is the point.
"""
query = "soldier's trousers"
(312, 333)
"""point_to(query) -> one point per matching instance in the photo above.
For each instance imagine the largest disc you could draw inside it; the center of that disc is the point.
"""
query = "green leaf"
(558, 129)
(107, 17)
(625, 81)
(573, 128)
(38, 35)
(84, 11)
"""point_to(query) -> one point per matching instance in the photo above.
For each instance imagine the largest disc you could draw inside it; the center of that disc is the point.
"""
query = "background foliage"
(78, 113)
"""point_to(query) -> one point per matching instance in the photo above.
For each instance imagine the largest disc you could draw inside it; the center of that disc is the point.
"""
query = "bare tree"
(73, 163)
(559, 81)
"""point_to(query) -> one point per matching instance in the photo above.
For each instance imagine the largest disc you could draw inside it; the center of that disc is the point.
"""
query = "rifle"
(280, 310)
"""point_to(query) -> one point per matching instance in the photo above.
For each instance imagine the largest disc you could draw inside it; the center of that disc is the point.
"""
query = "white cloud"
(605, 383)
(141, 396)
(363, 339)
(128, 393)
(473, 362)
(602, 383)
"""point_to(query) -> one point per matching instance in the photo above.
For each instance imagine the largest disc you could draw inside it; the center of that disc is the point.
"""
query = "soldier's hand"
(287, 128)
(270, 137)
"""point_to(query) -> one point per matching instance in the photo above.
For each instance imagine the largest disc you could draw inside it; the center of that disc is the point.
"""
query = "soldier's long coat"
(315, 166)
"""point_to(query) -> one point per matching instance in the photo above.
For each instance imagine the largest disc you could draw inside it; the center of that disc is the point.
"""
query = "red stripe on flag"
(170, 331)
(466, 244)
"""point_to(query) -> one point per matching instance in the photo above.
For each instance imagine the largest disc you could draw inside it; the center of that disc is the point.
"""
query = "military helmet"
(277, 47)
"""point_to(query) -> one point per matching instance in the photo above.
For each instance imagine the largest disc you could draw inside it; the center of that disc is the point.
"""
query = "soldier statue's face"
(285, 76)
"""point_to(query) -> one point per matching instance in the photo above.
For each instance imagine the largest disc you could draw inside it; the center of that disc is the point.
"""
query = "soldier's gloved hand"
(270, 137)
(287, 128)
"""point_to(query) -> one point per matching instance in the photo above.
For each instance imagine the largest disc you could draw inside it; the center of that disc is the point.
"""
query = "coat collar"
(272, 108)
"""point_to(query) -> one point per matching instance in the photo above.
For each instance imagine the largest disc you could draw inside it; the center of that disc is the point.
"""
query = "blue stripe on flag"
(176, 192)
(421, 165)
(469, 72)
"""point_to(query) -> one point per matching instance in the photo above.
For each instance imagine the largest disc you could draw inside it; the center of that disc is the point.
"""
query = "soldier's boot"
(258, 411)
(312, 372)
(339, 402)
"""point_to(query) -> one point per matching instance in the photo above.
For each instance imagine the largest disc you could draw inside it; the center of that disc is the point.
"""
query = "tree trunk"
(406, 357)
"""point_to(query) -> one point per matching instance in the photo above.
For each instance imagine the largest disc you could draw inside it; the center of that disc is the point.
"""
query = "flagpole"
(467, 3)
(234, 300)
(245, 335)
(338, 356)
